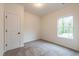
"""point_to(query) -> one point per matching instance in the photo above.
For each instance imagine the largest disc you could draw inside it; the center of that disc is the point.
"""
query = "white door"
(12, 31)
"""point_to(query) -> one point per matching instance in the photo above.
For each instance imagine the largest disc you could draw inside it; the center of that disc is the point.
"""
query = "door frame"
(5, 18)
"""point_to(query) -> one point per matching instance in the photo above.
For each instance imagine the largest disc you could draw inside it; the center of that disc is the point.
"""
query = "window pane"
(65, 27)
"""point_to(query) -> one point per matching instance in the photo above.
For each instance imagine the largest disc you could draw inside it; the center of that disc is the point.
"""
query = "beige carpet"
(41, 48)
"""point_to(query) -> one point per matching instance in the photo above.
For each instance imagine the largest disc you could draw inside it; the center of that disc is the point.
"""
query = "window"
(65, 27)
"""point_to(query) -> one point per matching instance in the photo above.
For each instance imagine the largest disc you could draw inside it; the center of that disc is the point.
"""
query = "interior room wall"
(31, 27)
(49, 27)
(1, 29)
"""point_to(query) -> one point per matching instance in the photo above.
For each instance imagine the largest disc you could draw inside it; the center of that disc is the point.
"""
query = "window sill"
(65, 38)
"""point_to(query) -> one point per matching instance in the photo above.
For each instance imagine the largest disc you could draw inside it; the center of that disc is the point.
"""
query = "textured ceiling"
(47, 8)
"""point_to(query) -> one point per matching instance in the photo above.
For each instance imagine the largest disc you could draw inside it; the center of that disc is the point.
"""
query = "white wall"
(31, 27)
(49, 27)
(1, 29)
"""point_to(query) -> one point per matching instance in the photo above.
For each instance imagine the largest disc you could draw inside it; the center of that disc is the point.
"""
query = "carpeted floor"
(41, 48)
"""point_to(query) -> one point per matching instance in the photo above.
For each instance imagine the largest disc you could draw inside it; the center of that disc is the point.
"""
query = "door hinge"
(6, 45)
(6, 16)
(6, 30)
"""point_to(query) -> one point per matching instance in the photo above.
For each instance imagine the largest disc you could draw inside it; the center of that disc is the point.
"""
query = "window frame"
(63, 37)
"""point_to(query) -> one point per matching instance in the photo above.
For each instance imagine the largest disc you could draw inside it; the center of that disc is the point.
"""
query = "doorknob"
(19, 33)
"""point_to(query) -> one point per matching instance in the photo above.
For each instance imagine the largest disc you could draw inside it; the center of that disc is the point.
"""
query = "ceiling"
(45, 9)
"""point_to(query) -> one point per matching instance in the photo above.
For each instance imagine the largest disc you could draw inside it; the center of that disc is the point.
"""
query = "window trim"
(58, 29)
